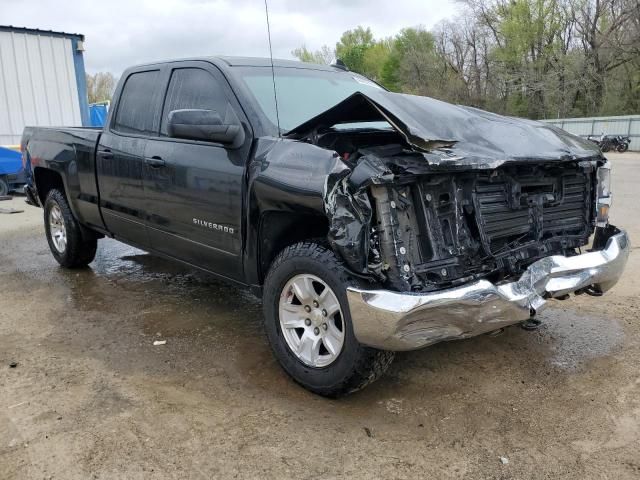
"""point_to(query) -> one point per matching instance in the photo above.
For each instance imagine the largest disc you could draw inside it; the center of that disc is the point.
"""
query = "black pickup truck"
(368, 221)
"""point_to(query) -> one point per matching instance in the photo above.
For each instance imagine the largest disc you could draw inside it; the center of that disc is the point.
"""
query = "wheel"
(308, 323)
(623, 147)
(605, 147)
(4, 187)
(64, 234)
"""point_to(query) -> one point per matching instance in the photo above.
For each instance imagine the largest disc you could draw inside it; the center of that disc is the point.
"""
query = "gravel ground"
(91, 397)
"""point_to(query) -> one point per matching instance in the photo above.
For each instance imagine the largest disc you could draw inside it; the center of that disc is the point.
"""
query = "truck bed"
(71, 152)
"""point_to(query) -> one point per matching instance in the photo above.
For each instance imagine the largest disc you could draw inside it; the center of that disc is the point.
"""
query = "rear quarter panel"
(71, 153)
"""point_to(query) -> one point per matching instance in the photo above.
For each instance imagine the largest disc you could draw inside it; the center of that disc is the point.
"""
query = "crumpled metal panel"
(405, 321)
(349, 217)
(349, 211)
(469, 136)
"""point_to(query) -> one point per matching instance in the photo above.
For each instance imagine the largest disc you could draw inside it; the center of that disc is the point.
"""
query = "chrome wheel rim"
(311, 320)
(57, 229)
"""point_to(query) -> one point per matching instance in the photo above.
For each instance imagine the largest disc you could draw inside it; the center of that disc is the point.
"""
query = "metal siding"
(10, 91)
(628, 125)
(38, 84)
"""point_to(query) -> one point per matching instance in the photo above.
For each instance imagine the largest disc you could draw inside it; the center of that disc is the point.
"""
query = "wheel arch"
(45, 180)
(279, 229)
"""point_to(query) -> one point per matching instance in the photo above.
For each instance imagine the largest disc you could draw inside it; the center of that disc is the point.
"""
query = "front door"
(194, 189)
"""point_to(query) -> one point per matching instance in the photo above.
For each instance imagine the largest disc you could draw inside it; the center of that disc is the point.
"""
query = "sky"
(121, 33)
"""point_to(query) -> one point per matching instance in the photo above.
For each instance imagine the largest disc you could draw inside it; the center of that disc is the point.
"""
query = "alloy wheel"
(57, 229)
(311, 320)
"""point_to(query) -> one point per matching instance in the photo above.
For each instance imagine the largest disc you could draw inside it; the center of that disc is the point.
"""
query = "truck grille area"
(551, 209)
(486, 224)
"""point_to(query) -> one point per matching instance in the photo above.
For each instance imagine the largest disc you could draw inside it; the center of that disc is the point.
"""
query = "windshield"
(304, 93)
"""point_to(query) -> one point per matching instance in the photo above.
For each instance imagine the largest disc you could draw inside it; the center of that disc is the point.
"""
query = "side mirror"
(204, 125)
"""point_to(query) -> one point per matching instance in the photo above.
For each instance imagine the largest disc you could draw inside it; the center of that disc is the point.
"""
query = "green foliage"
(353, 46)
(324, 56)
(534, 58)
(390, 73)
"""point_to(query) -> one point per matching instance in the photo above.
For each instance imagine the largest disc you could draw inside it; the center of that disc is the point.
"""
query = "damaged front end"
(460, 233)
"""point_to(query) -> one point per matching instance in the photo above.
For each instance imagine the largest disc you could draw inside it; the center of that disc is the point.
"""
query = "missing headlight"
(603, 202)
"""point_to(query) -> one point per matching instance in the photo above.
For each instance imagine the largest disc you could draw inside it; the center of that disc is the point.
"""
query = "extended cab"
(368, 221)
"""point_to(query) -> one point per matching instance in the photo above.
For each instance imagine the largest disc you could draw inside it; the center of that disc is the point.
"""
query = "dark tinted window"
(136, 106)
(193, 88)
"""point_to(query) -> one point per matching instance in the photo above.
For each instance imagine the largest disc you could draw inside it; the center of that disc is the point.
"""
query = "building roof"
(37, 31)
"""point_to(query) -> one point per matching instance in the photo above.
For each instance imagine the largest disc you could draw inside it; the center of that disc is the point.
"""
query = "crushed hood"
(471, 135)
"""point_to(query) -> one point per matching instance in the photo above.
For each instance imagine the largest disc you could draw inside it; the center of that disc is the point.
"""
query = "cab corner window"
(135, 113)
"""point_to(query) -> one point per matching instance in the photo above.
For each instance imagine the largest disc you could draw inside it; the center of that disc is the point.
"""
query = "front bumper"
(406, 321)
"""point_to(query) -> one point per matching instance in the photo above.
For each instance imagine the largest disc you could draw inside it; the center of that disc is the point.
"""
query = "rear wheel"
(308, 323)
(64, 234)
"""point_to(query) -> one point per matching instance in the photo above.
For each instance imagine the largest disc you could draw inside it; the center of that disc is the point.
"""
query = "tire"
(59, 223)
(333, 373)
(4, 187)
(605, 148)
(623, 147)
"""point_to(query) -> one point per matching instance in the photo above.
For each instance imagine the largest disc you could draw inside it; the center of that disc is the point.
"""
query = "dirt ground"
(91, 397)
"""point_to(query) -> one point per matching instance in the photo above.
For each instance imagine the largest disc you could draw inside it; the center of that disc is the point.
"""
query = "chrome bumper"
(405, 321)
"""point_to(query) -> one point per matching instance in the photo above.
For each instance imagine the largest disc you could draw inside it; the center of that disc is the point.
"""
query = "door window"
(135, 108)
(193, 88)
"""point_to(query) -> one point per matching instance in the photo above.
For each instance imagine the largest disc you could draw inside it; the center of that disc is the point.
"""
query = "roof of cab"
(224, 61)
(266, 62)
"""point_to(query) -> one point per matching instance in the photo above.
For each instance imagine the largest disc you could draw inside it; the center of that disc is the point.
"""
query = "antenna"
(273, 71)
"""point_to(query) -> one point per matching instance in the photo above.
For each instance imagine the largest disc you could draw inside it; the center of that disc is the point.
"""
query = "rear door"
(194, 189)
(120, 155)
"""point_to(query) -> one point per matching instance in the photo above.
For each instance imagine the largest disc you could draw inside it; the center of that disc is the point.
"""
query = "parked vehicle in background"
(607, 143)
(369, 221)
(11, 171)
(595, 139)
(622, 143)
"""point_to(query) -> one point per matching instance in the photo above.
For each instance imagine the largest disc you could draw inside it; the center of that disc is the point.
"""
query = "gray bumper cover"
(405, 321)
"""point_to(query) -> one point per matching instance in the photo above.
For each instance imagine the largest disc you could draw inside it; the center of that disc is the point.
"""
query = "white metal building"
(42, 81)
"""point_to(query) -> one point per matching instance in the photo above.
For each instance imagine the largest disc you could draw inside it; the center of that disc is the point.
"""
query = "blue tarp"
(97, 115)
(10, 161)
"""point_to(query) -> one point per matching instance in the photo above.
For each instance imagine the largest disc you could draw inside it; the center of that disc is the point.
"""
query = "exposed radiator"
(536, 209)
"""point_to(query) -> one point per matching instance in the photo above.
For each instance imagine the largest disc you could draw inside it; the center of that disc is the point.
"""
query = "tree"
(533, 58)
(352, 47)
(414, 52)
(100, 87)
(610, 38)
(324, 56)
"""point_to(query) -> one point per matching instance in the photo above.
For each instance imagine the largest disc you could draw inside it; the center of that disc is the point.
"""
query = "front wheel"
(308, 323)
(64, 234)
(623, 147)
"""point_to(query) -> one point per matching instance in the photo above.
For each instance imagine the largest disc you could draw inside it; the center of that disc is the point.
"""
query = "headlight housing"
(603, 196)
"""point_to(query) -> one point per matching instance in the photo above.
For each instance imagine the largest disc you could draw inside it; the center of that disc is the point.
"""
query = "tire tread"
(80, 251)
(371, 363)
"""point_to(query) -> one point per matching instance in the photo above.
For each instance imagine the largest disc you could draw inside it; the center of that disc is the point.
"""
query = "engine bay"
(415, 225)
